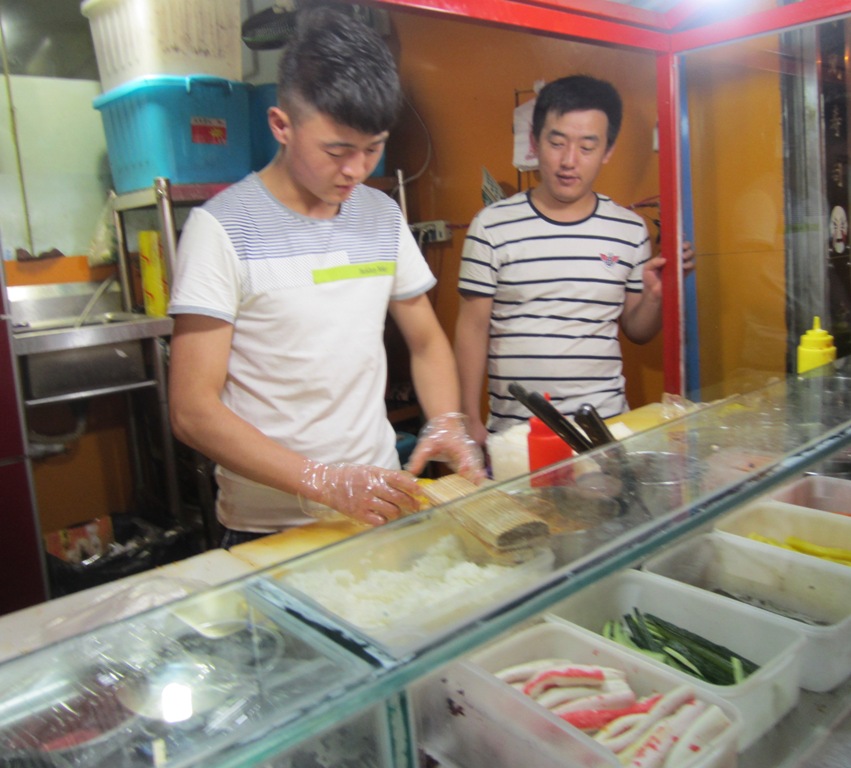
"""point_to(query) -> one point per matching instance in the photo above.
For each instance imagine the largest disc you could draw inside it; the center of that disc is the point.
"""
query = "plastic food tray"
(466, 717)
(830, 494)
(560, 640)
(736, 566)
(762, 698)
(779, 520)
(408, 624)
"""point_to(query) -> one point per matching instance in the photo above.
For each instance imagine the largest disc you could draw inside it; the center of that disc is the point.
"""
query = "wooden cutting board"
(278, 547)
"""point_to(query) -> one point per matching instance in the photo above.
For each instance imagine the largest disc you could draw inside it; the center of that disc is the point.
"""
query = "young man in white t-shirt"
(548, 276)
(282, 286)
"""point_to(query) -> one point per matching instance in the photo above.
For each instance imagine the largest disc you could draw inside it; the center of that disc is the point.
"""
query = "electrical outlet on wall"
(431, 232)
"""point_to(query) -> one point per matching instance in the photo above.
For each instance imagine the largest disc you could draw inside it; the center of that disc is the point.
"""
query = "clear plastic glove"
(445, 438)
(371, 495)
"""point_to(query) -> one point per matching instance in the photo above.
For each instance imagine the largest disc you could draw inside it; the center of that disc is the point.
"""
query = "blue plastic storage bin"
(192, 130)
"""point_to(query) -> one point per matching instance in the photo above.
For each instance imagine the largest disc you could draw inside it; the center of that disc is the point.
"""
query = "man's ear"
(280, 124)
(609, 152)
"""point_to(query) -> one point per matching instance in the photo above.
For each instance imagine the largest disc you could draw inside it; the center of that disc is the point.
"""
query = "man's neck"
(564, 212)
(282, 188)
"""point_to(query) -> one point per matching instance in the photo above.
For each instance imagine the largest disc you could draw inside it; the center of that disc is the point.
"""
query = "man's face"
(326, 160)
(572, 150)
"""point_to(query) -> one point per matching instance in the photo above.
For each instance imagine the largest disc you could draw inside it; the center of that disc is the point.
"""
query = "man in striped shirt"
(547, 276)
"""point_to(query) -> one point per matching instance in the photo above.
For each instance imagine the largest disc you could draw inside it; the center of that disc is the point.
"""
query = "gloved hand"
(445, 438)
(371, 495)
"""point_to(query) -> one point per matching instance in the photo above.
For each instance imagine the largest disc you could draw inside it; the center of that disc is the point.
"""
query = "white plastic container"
(509, 452)
(774, 575)
(762, 698)
(135, 38)
(560, 640)
(407, 584)
(778, 520)
(466, 717)
(830, 494)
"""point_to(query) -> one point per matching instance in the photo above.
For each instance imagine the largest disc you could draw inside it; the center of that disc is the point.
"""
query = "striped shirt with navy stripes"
(558, 291)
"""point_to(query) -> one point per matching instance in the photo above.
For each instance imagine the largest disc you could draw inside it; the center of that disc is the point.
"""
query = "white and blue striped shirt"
(558, 291)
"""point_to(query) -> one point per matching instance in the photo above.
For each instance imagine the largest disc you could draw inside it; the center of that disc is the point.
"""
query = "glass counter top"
(428, 586)
(192, 683)
(243, 673)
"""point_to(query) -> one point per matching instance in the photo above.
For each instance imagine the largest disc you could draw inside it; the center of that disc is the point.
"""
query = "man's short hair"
(579, 93)
(339, 66)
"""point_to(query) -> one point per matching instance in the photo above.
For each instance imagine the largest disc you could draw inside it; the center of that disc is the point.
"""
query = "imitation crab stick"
(653, 751)
(699, 735)
(595, 719)
(612, 699)
(554, 697)
(617, 739)
(570, 674)
(520, 673)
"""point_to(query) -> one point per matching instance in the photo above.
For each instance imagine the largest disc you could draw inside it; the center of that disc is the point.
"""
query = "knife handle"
(556, 421)
(589, 419)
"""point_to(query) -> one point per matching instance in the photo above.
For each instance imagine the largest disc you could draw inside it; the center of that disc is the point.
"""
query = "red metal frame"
(545, 19)
(667, 97)
(753, 25)
(608, 22)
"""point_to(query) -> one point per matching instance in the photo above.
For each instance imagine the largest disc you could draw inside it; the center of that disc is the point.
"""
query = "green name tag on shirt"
(354, 271)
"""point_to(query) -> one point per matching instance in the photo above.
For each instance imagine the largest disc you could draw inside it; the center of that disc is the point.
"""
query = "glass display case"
(308, 662)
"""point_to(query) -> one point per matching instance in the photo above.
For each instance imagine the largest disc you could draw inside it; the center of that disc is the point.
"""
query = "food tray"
(466, 717)
(830, 494)
(799, 585)
(368, 587)
(762, 698)
(560, 640)
(779, 520)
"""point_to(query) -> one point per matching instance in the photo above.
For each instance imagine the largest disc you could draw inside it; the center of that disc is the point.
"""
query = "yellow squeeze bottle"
(816, 348)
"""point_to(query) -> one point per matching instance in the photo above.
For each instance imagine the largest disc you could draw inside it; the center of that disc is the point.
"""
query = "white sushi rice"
(382, 597)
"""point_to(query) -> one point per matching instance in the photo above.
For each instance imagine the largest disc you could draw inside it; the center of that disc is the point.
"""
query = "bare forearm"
(471, 350)
(222, 436)
(642, 319)
(435, 378)
(472, 361)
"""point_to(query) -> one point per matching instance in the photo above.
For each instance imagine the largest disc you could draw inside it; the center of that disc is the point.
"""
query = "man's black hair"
(341, 67)
(579, 93)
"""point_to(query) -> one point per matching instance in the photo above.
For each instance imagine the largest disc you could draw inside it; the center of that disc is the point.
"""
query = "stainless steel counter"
(91, 335)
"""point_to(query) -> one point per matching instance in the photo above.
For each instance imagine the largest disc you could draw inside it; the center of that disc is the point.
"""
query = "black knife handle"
(589, 419)
(549, 414)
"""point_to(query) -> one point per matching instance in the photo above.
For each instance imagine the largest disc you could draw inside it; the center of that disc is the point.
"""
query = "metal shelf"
(164, 196)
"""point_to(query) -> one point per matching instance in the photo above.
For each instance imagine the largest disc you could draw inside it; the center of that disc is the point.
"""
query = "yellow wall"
(737, 168)
(461, 78)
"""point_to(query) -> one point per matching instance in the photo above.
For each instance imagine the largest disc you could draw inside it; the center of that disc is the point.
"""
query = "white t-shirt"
(558, 291)
(308, 300)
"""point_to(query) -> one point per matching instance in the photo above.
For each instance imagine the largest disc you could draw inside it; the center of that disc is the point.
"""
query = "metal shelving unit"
(163, 197)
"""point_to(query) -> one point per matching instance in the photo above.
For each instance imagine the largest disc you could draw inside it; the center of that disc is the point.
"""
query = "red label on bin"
(209, 130)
